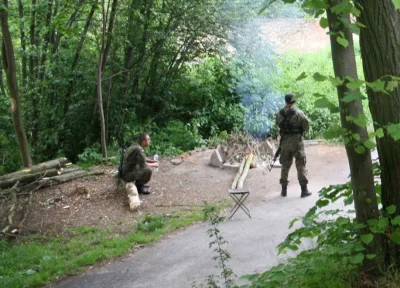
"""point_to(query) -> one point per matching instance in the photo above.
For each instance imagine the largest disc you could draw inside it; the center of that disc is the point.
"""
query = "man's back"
(134, 158)
(292, 121)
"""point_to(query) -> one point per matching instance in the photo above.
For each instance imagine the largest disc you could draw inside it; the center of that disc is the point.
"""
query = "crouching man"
(136, 167)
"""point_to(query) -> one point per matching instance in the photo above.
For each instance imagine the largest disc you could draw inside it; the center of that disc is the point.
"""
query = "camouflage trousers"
(140, 175)
(292, 146)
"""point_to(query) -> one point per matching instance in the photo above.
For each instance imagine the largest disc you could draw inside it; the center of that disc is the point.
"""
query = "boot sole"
(304, 196)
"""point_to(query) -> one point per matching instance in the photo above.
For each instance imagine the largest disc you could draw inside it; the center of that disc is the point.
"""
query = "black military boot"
(284, 191)
(143, 188)
(304, 191)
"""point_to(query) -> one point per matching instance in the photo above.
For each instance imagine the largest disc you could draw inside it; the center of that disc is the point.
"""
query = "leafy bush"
(175, 138)
(291, 65)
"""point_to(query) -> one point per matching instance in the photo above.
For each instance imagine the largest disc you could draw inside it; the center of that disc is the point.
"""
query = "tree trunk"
(56, 163)
(380, 48)
(11, 72)
(32, 76)
(362, 178)
(76, 57)
(23, 42)
(99, 88)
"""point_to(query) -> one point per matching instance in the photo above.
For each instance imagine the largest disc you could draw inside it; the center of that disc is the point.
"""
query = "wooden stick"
(12, 209)
(241, 167)
(245, 171)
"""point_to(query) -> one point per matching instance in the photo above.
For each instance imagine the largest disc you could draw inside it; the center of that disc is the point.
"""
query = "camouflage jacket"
(295, 123)
(134, 158)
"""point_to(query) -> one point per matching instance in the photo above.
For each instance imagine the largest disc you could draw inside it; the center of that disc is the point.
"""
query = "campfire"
(242, 151)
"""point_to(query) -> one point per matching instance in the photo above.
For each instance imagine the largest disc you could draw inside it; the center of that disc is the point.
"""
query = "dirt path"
(185, 256)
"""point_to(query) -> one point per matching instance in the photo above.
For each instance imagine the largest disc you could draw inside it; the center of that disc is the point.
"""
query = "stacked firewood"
(42, 175)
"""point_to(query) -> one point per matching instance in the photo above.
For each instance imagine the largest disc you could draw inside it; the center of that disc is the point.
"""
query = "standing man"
(136, 166)
(292, 124)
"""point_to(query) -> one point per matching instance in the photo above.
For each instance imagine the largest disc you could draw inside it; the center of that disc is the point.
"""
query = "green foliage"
(175, 138)
(317, 95)
(91, 155)
(150, 224)
(33, 261)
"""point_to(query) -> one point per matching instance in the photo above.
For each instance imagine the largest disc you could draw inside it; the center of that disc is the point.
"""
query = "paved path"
(185, 256)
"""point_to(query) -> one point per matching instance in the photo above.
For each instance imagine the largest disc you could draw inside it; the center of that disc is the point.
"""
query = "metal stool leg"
(239, 203)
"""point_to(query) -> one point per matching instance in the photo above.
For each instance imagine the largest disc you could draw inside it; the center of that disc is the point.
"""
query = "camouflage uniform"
(292, 123)
(134, 166)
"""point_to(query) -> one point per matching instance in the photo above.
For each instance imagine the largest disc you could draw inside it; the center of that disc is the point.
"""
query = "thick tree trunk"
(10, 68)
(380, 48)
(362, 178)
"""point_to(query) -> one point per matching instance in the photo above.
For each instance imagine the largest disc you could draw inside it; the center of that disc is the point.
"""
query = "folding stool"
(239, 196)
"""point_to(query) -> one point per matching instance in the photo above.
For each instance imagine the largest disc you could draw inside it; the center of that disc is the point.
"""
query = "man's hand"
(155, 164)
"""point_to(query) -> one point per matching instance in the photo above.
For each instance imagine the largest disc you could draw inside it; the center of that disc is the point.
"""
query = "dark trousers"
(141, 176)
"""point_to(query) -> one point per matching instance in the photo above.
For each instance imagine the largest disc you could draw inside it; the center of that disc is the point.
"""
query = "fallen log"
(69, 170)
(245, 171)
(45, 182)
(57, 163)
(27, 178)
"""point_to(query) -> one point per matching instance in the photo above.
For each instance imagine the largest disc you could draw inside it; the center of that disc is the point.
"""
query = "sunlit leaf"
(324, 23)
(342, 41)
(394, 131)
(369, 144)
(349, 97)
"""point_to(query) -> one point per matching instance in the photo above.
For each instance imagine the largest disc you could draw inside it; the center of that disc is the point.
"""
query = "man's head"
(144, 140)
(290, 99)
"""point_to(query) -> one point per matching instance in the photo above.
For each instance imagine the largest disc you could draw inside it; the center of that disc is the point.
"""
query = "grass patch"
(32, 261)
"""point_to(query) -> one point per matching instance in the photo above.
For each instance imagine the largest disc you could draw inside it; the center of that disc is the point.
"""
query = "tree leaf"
(318, 77)
(322, 203)
(379, 133)
(323, 103)
(349, 97)
(367, 238)
(361, 120)
(391, 209)
(392, 85)
(357, 259)
(336, 81)
(324, 22)
(360, 149)
(394, 131)
(342, 41)
(377, 86)
(395, 237)
(370, 256)
(369, 144)
(302, 76)
(396, 4)
(354, 84)
(396, 220)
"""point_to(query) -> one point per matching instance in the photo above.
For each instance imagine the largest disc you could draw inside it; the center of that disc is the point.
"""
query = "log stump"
(133, 196)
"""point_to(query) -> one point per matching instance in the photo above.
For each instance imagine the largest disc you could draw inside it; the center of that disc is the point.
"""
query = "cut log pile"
(42, 175)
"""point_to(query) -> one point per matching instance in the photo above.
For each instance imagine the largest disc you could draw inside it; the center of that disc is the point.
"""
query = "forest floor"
(182, 187)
